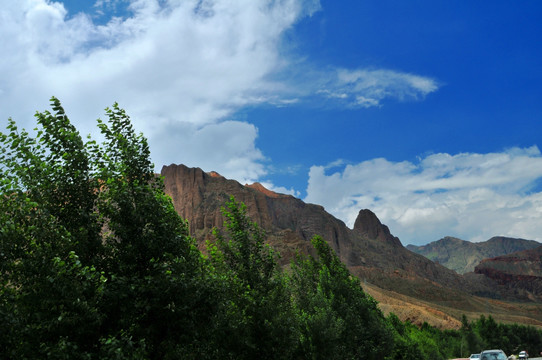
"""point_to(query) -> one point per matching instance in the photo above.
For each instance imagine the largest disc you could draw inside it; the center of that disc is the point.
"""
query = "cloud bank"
(181, 69)
(476, 196)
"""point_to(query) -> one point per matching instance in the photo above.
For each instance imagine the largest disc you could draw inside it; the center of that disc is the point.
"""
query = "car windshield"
(493, 356)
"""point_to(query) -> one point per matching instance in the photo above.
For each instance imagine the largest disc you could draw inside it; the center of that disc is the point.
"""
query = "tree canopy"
(95, 260)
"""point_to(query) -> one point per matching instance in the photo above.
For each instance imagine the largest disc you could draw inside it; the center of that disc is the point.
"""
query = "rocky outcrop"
(289, 222)
(518, 274)
(370, 226)
(369, 249)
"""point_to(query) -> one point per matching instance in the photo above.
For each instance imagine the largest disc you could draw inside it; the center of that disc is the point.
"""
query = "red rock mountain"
(369, 250)
(519, 273)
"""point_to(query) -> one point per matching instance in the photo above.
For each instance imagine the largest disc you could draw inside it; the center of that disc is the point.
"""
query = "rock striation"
(519, 274)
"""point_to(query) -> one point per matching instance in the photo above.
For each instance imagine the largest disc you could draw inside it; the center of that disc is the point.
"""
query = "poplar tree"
(95, 262)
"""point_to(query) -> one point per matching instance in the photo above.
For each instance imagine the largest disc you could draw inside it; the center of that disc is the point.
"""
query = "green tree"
(257, 319)
(430, 342)
(489, 332)
(405, 348)
(95, 261)
(511, 338)
(471, 341)
(337, 319)
(49, 236)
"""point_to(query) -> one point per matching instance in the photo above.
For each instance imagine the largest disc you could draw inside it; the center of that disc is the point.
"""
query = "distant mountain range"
(409, 284)
(463, 256)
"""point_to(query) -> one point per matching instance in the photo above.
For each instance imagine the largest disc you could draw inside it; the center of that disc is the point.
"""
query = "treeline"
(96, 264)
(485, 333)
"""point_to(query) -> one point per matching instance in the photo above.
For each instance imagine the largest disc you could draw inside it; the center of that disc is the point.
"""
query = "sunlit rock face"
(369, 249)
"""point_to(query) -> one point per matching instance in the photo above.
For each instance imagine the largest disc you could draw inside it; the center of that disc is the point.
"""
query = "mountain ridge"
(462, 256)
(369, 250)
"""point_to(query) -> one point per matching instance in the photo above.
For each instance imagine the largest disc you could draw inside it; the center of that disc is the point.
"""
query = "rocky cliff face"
(369, 249)
(519, 274)
(289, 222)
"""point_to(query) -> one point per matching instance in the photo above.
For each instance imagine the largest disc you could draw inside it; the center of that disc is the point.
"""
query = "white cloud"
(227, 148)
(367, 88)
(280, 189)
(471, 196)
(181, 69)
(169, 64)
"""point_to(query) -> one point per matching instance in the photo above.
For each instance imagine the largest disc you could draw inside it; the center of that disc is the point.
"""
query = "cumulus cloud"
(234, 156)
(168, 63)
(181, 69)
(471, 196)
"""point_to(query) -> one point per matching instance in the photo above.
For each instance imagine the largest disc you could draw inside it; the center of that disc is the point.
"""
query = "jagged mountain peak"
(368, 224)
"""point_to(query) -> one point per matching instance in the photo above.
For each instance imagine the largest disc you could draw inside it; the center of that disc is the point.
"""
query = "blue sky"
(426, 112)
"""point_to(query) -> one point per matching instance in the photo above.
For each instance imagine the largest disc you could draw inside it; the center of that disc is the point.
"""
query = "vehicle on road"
(493, 355)
(523, 355)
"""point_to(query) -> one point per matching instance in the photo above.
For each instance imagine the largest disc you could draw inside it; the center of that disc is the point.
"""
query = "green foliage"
(256, 313)
(405, 347)
(471, 342)
(485, 333)
(428, 339)
(424, 342)
(336, 318)
(49, 236)
(245, 253)
(95, 261)
(511, 338)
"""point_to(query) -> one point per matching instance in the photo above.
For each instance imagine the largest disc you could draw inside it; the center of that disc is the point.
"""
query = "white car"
(523, 355)
(493, 355)
(474, 357)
